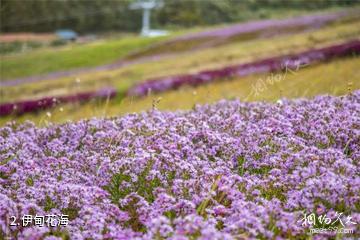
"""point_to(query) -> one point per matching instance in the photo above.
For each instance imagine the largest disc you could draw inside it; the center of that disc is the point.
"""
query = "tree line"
(115, 15)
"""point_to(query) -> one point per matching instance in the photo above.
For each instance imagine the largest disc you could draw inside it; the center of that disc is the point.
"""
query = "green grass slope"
(43, 61)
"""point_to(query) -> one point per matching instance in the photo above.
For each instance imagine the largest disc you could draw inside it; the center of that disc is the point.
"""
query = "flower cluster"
(26, 106)
(271, 64)
(231, 170)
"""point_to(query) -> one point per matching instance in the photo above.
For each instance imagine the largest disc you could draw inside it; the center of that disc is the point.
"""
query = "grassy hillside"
(342, 76)
(73, 56)
(232, 53)
(338, 77)
(230, 169)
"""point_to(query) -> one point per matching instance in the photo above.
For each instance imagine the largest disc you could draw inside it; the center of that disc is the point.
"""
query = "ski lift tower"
(146, 6)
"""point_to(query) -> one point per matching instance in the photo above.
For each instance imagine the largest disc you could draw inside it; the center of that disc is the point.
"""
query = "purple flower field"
(231, 170)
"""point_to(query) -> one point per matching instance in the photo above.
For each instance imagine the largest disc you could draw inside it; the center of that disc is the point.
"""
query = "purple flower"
(224, 171)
